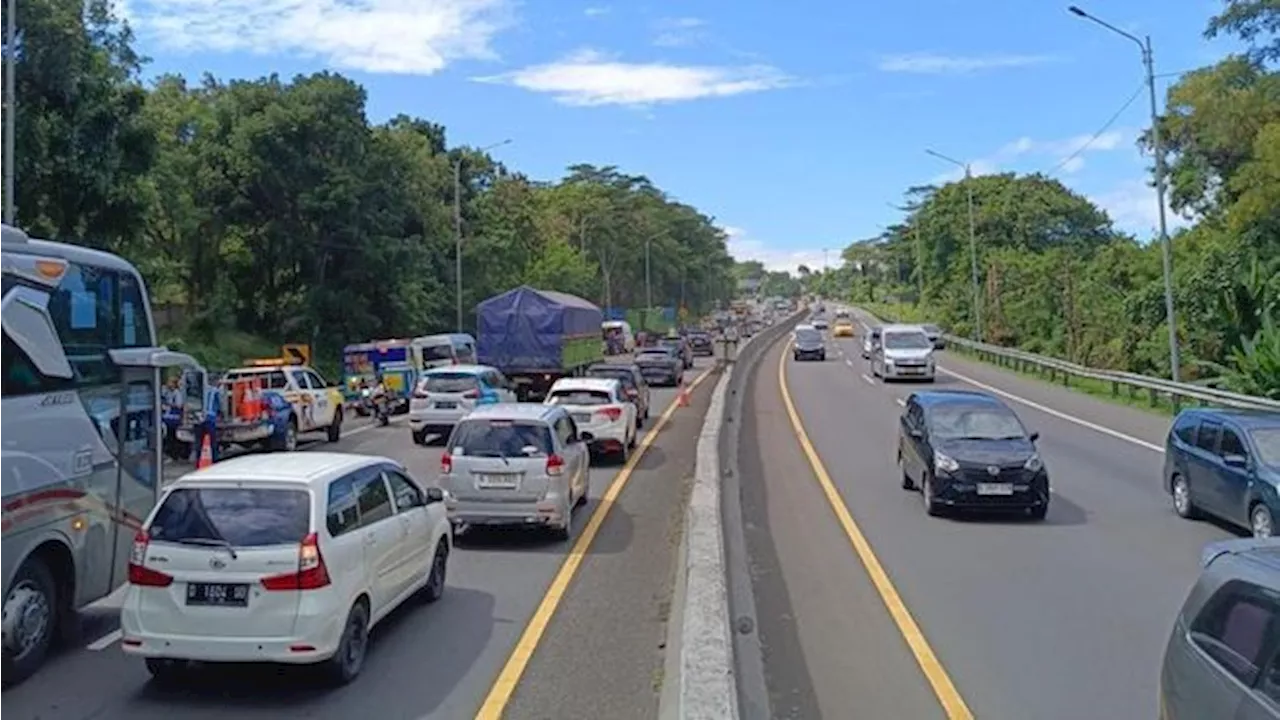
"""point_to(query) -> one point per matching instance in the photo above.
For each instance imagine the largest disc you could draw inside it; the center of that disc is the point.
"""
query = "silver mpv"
(516, 464)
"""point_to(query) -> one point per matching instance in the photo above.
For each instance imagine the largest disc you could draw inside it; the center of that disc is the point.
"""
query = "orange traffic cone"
(206, 454)
(682, 398)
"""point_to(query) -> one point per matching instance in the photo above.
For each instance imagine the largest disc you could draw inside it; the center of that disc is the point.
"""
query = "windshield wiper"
(210, 542)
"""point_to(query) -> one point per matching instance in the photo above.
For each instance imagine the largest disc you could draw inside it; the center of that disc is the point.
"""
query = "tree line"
(1057, 278)
(275, 208)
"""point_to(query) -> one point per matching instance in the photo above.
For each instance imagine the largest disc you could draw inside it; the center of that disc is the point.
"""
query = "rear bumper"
(818, 354)
(542, 513)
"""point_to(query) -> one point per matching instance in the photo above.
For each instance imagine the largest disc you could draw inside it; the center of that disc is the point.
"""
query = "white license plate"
(995, 488)
(497, 482)
(582, 417)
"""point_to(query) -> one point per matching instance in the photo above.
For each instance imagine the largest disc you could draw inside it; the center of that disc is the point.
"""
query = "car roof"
(585, 383)
(303, 468)
(1249, 419)
(515, 411)
(903, 327)
(805, 326)
(934, 398)
(465, 369)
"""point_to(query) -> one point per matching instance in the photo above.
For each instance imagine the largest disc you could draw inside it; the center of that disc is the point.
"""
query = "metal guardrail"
(1178, 393)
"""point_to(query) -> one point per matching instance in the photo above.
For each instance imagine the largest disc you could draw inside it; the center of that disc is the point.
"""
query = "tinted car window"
(1230, 444)
(500, 438)
(373, 499)
(341, 515)
(1185, 429)
(437, 352)
(1232, 628)
(974, 423)
(1267, 440)
(407, 494)
(243, 517)
(1207, 438)
(450, 382)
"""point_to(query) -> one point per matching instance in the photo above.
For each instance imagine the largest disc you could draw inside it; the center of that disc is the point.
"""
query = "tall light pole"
(1166, 252)
(973, 245)
(915, 230)
(457, 226)
(10, 109)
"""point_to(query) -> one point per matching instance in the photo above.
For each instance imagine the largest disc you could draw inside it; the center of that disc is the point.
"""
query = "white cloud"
(1132, 207)
(742, 247)
(679, 32)
(596, 11)
(923, 63)
(382, 36)
(1063, 155)
(589, 78)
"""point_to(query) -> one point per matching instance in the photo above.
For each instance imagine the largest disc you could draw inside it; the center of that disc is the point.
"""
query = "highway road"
(520, 629)
(869, 608)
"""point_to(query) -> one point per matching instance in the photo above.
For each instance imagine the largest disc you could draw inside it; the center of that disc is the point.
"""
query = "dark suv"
(681, 348)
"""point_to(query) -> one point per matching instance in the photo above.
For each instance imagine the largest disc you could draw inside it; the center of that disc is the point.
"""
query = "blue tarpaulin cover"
(525, 329)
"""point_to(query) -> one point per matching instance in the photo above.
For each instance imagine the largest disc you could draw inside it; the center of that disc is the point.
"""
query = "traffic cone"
(206, 454)
(682, 398)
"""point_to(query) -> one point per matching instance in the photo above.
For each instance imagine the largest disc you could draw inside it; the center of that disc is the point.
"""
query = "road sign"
(296, 353)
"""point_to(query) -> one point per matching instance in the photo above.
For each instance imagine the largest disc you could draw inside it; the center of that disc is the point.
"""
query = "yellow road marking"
(945, 690)
(505, 686)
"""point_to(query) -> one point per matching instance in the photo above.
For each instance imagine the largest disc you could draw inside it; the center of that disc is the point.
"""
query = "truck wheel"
(335, 428)
(286, 441)
(30, 619)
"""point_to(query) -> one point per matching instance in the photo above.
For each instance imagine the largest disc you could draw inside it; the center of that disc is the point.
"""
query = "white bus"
(81, 435)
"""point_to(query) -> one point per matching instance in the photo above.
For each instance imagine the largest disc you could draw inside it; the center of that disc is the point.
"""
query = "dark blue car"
(1225, 463)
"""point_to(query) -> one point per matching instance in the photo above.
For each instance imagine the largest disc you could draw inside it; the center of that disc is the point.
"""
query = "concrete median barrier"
(713, 668)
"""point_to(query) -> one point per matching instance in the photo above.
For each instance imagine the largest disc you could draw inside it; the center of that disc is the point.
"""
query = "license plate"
(497, 482)
(446, 405)
(995, 488)
(218, 594)
(582, 417)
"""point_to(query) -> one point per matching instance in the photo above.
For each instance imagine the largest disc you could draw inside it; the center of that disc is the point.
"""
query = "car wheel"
(347, 662)
(633, 442)
(335, 428)
(30, 618)
(624, 455)
(288, 441)
(931, 507)
(436, 575)
(1181, 493)
(565, 531)
(907, 482)
(420, 437)
(1260, 521)
(1040, 512)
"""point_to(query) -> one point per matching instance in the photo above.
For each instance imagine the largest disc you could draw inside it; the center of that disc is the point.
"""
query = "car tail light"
(555, 465)
(613, 413)
(139, 573)
(446, 464)
(471, 395)
(312, 573)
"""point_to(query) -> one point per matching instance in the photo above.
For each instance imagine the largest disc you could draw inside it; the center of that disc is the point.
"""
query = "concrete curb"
(700, 677)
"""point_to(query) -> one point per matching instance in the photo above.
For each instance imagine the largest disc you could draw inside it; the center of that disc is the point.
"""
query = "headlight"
(944, 463)
(1034, 463)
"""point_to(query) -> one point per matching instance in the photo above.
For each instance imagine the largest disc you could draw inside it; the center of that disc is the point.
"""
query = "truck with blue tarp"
(361, 364)
(536, 337)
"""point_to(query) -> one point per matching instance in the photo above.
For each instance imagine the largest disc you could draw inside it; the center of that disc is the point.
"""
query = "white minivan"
(285, 558)
(432, 351)
(621, 328)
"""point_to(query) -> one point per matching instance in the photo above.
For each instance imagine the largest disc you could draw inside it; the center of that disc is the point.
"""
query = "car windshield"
(1268, 441)
(500, 438)
(578, 396)
(906, 341)
(808, 336)
(670, 342)
(974, 423)
(449, 382)
(235, 517)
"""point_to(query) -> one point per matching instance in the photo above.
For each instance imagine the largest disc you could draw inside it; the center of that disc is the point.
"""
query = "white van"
(432, 351)
(621, 327)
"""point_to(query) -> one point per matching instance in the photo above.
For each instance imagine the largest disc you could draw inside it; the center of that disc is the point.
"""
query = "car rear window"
(450, 382)
(437, 352)
(241, 517)
(500, 438)
(580, 397)
(808, 336)
(622, 375)
(655, 352)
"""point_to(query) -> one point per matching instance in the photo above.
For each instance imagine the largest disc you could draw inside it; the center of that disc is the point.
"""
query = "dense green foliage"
(276, 209)
(1057, 278)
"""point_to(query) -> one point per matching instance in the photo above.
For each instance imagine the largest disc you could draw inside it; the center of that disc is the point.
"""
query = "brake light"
(446, 464)
(555, 465)
(139, 573)
(471, 395)
(311, 574)
(613, 413)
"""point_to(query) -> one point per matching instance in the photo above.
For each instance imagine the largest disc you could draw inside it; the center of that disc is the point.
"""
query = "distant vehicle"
(536, 337)
(820, 322)
(520, 464)
(315, 406)
(843, 314)
(661, 365)
(1222, 659)
(445, 395)
(432, 351)
(362, 363)
(808, 344)
(619, 332)
(870, 341)
(634, 385)
(1225, 463)
(600, 410)
(843, 328)
(701, 344)
(82, 455)
(680, 346)
(968, 451)
(281, 558)
(904, 353)
(934, 334)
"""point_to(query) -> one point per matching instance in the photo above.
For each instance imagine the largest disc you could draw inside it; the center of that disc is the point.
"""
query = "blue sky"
(794, 125)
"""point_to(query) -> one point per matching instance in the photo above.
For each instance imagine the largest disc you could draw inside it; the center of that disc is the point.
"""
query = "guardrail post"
(1155, 397)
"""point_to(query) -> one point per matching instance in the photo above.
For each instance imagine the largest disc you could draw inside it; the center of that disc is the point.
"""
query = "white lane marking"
(900, 401)
(848, 362)
(106, 641)
(1056, 413)
(867, 379)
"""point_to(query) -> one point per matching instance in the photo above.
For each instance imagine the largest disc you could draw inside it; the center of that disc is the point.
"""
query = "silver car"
(1223, 659)
(904, 353)
(516, 464)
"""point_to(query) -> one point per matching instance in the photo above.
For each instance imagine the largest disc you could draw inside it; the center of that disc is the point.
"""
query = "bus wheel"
(30, 618)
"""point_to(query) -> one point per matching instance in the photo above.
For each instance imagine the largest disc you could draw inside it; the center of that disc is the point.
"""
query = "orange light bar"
(51, 269)
(266, 362)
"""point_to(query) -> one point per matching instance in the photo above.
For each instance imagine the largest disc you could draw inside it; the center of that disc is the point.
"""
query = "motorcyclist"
(380, 399)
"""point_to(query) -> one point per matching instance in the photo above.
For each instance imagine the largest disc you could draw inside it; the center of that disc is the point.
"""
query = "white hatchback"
(605, 417)
(288, 558)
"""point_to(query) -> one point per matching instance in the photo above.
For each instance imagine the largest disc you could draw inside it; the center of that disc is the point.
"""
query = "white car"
(285, 558)
(905, 352)
(445, 395)
(603, 414)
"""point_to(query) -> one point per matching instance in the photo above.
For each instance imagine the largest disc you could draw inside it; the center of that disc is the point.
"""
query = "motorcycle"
(381, 409)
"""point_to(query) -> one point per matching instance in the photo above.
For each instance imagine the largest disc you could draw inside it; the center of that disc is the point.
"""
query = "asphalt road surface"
(443, 660)
(1065, 618)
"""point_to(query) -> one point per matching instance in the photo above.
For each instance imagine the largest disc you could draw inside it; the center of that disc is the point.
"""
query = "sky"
(797, 126)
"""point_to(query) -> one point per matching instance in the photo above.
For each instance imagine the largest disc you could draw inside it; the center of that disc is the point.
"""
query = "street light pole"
(973, 245)
(457, 228)
(10, 110)
(1157, 147)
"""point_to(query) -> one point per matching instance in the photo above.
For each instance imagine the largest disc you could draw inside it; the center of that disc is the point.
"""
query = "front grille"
(910, 363)
(1011, 474)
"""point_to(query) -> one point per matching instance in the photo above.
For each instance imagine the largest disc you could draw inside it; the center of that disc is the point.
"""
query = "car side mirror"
(434, 495)
(1235, 461)
(1033, 436)
(585, 436)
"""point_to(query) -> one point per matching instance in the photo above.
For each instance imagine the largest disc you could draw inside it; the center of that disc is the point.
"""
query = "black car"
(968, 451)
(700, 343)
(934, 334)
(809, 344)
(680, 347)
